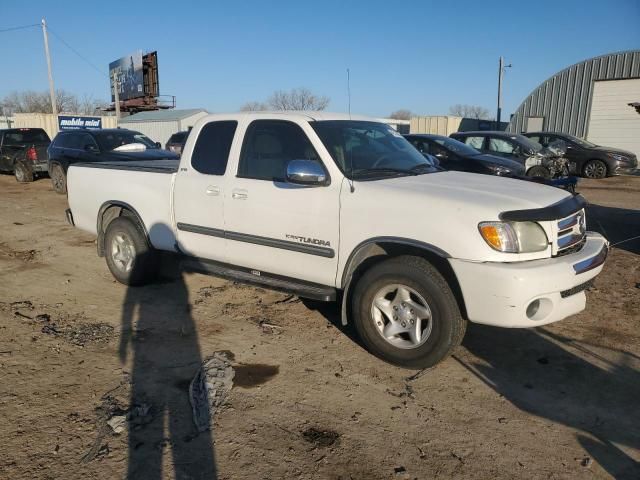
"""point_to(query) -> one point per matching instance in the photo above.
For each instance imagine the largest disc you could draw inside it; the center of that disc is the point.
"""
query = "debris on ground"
(118, 423)
(586, 462)
(320, 437)
(209, 388)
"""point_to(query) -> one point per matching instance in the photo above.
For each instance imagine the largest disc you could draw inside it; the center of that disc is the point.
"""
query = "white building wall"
(161, 130)
(613, 123)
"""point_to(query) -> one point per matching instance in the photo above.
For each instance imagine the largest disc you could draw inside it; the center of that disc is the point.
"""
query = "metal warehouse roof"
(162, 115)
(564, 99)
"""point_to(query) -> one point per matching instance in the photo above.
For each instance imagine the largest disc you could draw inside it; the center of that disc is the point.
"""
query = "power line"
(19, 28)
(86, 60)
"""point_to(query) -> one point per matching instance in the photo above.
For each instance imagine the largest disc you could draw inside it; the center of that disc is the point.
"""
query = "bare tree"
(402, 114)
(470, 111)
(297, 99)
(39, 102)
(254, 107)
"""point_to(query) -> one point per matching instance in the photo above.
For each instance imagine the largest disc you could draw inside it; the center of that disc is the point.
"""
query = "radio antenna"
(349, 92)
(351, 187)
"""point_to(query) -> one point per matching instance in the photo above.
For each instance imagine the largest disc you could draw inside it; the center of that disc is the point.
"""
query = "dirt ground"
(77, 348)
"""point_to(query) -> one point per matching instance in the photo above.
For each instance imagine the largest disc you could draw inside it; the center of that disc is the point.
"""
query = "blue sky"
(422, 55)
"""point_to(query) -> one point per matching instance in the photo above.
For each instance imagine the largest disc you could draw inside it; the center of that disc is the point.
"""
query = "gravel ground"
(78, 349)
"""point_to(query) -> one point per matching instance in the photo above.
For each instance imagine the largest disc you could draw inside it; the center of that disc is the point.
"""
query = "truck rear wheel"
(129, 257)
(22, 172)
(406, 313)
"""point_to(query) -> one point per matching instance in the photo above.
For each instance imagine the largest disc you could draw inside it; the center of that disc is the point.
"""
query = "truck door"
(198, 198)
(274, 226)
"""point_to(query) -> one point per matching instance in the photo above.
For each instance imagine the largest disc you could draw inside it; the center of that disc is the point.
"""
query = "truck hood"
(456, 191)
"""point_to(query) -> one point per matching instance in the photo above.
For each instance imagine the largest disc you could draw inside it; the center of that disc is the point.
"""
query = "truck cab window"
(211, 151)
(269, 145)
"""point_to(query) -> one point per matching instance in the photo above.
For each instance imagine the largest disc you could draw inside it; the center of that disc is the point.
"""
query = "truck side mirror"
(306, 172)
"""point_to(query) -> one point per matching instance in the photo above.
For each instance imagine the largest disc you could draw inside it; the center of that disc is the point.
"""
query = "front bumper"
(500, 293)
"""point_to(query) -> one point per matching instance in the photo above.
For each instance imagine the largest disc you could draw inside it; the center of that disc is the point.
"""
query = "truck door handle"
(211, 190)
(239, 195)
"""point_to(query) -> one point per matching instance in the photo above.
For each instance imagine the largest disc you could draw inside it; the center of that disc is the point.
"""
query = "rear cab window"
(25, 135)
(211, 151)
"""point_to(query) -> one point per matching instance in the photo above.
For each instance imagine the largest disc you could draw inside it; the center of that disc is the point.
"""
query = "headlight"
(514, 237)
(499, 170)
(618, 157)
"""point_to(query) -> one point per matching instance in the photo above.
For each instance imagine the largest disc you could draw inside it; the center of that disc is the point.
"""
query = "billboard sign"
(69, 122)
(128, 70)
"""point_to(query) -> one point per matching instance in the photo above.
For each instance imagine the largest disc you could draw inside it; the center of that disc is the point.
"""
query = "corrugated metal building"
(161, 124)
(590, 100)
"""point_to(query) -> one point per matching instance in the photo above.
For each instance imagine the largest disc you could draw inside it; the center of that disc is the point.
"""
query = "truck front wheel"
(406, 313)
(129, 257)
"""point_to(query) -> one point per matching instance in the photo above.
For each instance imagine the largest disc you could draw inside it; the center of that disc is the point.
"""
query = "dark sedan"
(82, 146)
(455, 155)
(591, 160)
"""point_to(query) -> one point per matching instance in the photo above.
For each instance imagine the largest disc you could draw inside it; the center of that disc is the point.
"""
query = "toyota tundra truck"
(332, 207)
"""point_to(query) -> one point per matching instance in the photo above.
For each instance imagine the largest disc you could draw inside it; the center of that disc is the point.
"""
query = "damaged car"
(545, 162)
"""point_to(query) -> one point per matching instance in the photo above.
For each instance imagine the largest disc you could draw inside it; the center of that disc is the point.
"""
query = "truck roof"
(288, 115)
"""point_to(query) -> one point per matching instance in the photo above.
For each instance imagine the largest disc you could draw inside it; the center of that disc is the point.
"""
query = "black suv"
(591, 160)
(23, 152)
(455, 155)
(82, 146)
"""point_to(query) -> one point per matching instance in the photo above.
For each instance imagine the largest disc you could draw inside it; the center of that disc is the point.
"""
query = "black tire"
(594, 169)
(447, 325)
(58, 178)
(22, 172)
(540, 172)
(124, 234)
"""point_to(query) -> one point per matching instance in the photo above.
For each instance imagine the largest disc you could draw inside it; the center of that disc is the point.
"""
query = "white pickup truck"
(332, 207)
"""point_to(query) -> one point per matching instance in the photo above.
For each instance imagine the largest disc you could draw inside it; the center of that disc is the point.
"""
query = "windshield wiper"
(385, 170)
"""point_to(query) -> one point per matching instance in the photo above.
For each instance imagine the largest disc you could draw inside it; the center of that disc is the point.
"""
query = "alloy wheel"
(401, 316)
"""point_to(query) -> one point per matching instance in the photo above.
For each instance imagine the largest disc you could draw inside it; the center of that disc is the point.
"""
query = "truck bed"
(156, 166)
(144, 185)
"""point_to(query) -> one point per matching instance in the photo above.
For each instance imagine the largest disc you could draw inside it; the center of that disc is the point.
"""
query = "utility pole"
(116, 95)
(501, 67)
(52, 91)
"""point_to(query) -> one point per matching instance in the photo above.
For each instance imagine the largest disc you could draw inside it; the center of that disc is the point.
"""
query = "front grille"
(570, 234)
(576, 289)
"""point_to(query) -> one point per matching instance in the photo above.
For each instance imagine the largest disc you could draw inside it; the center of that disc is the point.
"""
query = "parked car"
(455, 155)
(591, 160)
(327, 207)
(83, 145)
(176, 142)
(537, 160)
(23, 152)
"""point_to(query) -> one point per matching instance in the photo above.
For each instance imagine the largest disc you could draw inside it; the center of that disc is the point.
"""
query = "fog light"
(533, 308)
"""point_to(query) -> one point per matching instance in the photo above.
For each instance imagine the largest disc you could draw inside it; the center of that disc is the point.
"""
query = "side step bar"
(300, 288)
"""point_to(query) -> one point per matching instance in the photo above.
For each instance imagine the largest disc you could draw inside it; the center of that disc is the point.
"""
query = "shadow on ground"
(569, 383)
(621, 226)
(159, 332)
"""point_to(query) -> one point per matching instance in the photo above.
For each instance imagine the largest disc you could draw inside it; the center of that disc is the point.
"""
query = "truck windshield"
(369, 150)
(112, 139)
